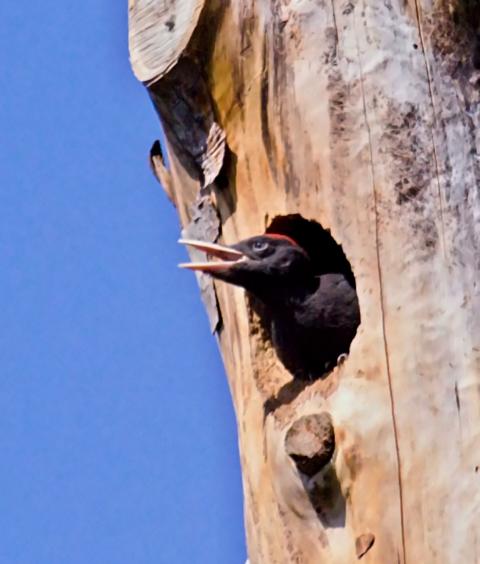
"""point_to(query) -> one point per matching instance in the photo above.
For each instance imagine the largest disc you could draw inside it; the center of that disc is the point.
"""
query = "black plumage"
(312, 317)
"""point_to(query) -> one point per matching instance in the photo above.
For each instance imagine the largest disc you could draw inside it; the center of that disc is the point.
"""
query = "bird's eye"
(260, 246)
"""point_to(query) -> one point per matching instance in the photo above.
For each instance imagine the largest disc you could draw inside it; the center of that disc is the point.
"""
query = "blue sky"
(117, 432)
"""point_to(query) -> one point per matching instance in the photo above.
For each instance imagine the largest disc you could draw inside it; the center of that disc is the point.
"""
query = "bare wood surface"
(363, 116)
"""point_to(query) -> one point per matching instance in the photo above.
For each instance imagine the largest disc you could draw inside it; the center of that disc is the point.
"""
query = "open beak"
(227, 256)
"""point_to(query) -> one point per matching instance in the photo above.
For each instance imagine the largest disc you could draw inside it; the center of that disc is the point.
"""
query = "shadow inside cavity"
(326, 496)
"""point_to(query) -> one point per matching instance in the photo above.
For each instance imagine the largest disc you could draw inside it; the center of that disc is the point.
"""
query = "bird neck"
(286, 296)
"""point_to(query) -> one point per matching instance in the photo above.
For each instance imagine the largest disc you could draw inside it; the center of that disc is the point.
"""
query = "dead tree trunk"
(363, 116)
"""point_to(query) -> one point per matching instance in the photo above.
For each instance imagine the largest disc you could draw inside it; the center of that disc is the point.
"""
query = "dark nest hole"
(327, 257)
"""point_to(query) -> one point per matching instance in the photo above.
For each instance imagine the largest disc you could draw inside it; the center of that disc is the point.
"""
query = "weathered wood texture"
(364, 116)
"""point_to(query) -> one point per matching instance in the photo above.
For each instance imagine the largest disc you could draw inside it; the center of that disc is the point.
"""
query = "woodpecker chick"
(313, 317)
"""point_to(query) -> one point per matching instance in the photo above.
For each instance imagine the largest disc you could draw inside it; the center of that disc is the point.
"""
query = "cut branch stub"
(158, 34)
(310, 443)
(160, 170)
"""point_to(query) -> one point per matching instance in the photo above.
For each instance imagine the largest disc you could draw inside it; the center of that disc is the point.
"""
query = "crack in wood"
(382, 298)
(457, 398)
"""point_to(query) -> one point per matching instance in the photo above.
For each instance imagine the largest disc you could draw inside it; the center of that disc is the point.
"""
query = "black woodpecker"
(313, 317)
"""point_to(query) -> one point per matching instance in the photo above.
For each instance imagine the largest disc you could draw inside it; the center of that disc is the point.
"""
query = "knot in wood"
(363, 544)
(310, 442)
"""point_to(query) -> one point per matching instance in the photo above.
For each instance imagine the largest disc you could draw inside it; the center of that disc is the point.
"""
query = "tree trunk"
(362, 116)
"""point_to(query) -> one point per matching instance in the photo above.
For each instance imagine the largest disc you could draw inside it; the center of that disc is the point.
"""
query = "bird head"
(265, 265)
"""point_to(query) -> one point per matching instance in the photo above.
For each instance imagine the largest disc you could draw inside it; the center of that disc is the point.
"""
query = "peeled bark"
(362, 116)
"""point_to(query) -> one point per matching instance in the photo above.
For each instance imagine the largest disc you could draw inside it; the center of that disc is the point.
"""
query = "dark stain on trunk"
(225, 185)
(264, 106)
(282, 77)
(183, 103)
